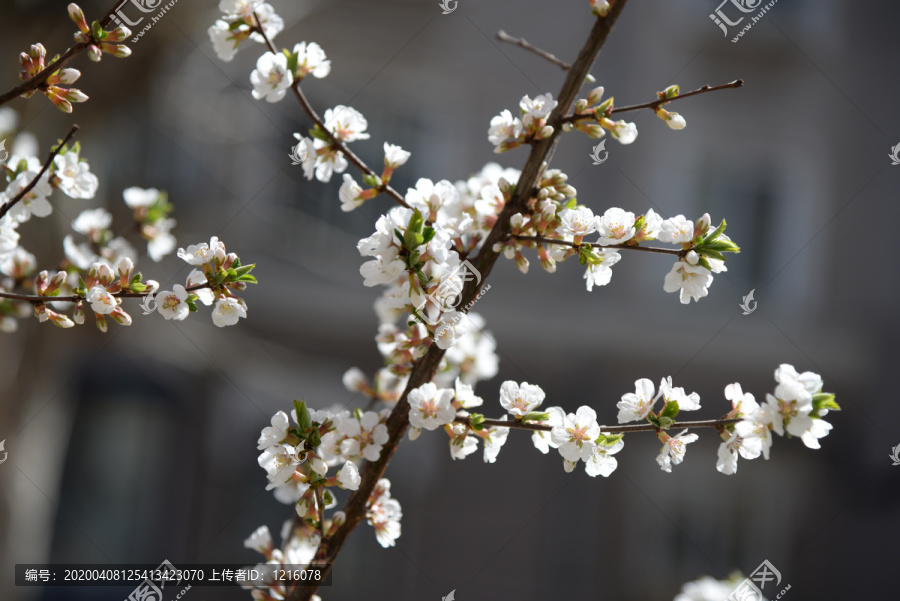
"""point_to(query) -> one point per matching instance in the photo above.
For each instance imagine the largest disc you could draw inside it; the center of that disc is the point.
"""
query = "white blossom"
(349, 476)
(274, 434)
(75, 177)
(311, 60)
(520, 399)
(228, 311)
(430, 407)
(600, 274)
(394, 156)
(615, 226)
(102, 302)
(691, 281)
(673, 450)
(577, 222)
(676, 230)
(577, 434)
(601, 462)
(637, 405)
(271, 78)
(346, 123)
(172, 304)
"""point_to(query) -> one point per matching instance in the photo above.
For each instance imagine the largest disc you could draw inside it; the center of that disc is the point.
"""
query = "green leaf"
(653, 420)
(711, 253)
(97, 30)
(304, 421)
(476, 421)
(192, 306)
(292, 60)
(246, 278)
(715, 233)
(670, 410)
(316, 132)
(535, 416)
(428, 234)
(608, 440)
(666, 422)
(824, 400)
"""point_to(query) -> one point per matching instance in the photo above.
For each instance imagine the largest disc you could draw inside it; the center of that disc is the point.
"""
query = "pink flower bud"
(77, 16)
(94, 53)
(117, 50)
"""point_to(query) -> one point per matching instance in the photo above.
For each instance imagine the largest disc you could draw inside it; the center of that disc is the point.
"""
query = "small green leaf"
(304, 421)
(824, 400)
(670, 410)
(608, 440)
(476, 421)
(535, 416)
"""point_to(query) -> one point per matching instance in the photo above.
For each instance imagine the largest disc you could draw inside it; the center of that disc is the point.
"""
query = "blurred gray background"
(139, 445)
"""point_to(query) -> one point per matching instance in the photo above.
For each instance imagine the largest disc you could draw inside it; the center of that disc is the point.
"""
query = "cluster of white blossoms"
(216, 278)
(99, 266)
(298, 548)
(239, 22)
(298, 452)
(797, 407)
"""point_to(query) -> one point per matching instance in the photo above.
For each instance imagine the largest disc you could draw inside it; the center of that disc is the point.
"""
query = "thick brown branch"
(620, 429)
(335, 142)
(522, 43)
(653, 105)
(423, 372)
(53, 152)
(38, 80)
(648, 249)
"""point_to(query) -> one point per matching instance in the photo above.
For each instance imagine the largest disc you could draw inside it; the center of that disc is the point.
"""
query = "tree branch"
(623, 246)
(53, 152)
(425, 367)
(38, 80)
(335, 142)
(522, 43)
(538, 427)
(74, 298)
(653, 105)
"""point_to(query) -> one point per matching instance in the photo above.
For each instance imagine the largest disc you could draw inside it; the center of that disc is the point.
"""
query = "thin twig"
(38, 80)
(660, 101)
(53, 152)
(623, 246)
(426, 366)
(537, 427)
(74, 298)
(335, 142)
(522, 43)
